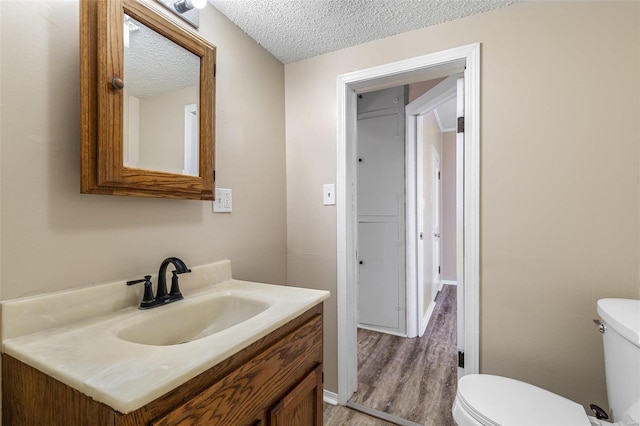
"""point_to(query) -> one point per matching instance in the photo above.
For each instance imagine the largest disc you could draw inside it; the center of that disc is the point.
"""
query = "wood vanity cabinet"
(276, 381)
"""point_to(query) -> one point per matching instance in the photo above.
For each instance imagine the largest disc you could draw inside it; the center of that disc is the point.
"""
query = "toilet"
(489, 400)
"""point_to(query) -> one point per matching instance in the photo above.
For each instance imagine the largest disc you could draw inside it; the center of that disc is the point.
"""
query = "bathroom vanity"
(234, 353)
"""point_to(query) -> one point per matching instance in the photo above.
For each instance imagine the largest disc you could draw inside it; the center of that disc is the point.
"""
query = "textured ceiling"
(154, 64)
(293, 30)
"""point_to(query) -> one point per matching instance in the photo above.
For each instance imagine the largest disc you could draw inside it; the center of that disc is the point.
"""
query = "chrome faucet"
(162, 297)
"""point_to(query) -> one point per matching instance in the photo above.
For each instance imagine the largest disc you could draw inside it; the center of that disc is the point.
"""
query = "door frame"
(433, 65)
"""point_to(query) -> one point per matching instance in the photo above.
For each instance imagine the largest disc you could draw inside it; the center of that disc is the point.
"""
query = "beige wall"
(422, 87)
(559, 210)
(54, 238)
(449, 206)
(162, 125)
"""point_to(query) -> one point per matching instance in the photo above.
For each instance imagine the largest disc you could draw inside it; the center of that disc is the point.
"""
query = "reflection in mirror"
(161, 98)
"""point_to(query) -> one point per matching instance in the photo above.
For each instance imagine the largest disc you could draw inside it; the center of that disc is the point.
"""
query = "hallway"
(414, 379)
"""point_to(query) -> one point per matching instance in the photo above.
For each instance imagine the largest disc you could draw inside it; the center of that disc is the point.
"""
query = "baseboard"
(449, 282)
(426, 317)
(330, 397)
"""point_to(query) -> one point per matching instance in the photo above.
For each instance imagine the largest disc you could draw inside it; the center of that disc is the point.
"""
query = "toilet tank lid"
(622, 315)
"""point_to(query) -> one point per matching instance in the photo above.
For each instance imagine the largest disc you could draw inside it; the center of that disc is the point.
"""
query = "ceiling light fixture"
(183, 6)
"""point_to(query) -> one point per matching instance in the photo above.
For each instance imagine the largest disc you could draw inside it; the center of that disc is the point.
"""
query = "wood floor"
(342, 416)
(414, 379)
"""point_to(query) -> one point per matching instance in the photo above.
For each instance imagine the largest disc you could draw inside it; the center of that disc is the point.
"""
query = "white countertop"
(65, 336)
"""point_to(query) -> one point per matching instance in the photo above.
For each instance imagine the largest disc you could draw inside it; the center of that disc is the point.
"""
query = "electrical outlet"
(223, 202)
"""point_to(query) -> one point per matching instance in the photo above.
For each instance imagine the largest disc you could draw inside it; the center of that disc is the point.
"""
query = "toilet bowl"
(488, 400)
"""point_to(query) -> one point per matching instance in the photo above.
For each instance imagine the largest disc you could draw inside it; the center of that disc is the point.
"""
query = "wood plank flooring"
(341, 416)
(415, 379)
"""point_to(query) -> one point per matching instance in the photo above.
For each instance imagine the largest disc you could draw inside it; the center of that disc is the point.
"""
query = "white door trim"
(460, 154)
(414, 268)
(440, 93)
(347, 84)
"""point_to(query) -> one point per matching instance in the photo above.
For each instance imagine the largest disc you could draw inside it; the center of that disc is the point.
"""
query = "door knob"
(117, 83)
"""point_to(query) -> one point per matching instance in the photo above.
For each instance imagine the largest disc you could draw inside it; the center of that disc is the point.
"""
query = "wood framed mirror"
(147, 104)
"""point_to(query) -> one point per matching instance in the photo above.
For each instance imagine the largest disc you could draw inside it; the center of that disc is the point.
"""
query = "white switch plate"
(223, 202)
(329, 194)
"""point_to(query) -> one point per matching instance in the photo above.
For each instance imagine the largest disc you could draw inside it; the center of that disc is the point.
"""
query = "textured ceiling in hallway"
(293, 30)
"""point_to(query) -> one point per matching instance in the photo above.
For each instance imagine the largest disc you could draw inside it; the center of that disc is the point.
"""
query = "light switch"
(329, 194)
(223, 202)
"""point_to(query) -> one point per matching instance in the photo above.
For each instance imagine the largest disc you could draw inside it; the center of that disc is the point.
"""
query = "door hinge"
(215, 69)
(214, 175)
(323, 377)
(460, 125)
(438, 175)
(438, 269)
(461, 359)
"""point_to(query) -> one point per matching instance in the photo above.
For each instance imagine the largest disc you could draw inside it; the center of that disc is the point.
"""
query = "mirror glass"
(161, 102)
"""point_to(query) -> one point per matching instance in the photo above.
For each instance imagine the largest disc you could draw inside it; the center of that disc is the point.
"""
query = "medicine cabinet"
(147, 103)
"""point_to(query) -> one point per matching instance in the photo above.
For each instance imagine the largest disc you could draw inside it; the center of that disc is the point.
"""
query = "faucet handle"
(148, 298)
(174, 293)
(145, 279)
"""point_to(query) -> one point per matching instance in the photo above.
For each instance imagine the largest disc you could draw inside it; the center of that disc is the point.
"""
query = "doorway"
(406, 379)
(464, 59)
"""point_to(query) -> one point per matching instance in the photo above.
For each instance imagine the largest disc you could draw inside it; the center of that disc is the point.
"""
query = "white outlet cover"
(329, 194)
(224, 201)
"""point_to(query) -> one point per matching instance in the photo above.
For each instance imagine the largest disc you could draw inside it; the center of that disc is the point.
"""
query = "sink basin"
(185, 321)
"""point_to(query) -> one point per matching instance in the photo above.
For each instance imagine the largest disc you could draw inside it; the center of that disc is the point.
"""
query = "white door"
(429, 214)
(378, 290)
(436, 220)
(380, 206)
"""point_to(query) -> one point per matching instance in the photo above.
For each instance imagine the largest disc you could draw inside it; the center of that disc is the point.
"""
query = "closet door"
(381, 211)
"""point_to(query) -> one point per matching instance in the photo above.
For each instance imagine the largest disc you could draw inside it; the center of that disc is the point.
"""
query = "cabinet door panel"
(300, 407)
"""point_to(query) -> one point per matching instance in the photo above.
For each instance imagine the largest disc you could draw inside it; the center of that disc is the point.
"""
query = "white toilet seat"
(488, 400)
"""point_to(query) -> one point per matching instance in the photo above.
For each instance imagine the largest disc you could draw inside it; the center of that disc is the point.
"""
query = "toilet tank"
(621, 342)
